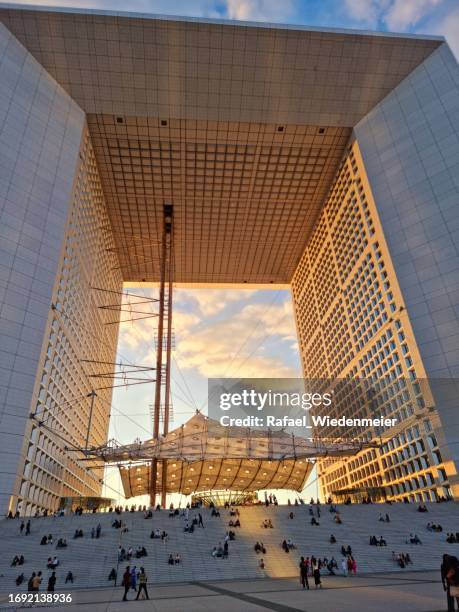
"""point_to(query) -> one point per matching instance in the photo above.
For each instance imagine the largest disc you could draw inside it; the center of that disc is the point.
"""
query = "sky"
(217, 333)
(415, 16)
(241, 332)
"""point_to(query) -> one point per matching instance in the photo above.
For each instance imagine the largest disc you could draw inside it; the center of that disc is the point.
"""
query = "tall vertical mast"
(163, 351)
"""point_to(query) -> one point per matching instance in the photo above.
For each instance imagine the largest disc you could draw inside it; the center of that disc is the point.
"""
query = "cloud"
(219, 333)
(235, 346)
(404, 14)
(194, 8)
(413, 16)
(261, 10)
(396, 15)
(256, 10)
(367, 12)
(210, 302)
(446, 25)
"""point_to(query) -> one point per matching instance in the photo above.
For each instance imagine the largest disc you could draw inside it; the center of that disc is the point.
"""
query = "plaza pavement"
(384, 592)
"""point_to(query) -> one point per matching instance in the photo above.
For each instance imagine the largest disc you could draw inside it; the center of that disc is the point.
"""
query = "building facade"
(325, 161)
(56, 246)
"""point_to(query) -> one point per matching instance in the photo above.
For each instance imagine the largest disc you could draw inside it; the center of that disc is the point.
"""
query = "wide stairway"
(91, 560)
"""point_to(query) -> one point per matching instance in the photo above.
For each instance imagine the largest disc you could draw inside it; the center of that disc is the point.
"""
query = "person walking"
(200, 523)
(142, 584)
(126, 583)
(36, 582)
(354, 566)
(21, 528)
(134, 578)
(450, 580)
(30, 583)
(317, 580)
(304, 574)
(27, 529)
(51, 583)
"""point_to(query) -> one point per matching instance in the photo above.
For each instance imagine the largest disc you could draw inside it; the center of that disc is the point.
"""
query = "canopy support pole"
(165, 316)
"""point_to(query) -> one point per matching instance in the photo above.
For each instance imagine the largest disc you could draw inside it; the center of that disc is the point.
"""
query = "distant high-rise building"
(324, 160)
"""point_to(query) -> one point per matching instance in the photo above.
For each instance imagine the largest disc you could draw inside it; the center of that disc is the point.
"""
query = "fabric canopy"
(218, 474)
(201, 455)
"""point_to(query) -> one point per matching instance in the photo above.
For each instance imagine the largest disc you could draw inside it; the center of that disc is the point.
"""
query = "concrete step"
(91, 560)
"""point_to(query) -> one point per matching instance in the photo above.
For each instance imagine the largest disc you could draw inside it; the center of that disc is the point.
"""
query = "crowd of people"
(24, 527)
(375, 542)
(61, 543)
(402, 559)
(348, 565)
(46, 540)
(310, 567)
(220, 551)
(148, 512)
(17, 560)
(271, 499)
(124, 555)
(158, 534)
(52, 562)
(130, 580)
(313, 567)
(287, 545)
(174, 559)
(259, 548)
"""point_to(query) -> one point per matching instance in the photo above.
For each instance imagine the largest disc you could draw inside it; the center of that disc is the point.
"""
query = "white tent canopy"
(201, 455)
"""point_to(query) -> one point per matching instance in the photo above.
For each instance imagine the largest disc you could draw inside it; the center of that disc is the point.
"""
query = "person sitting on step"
(17, 560)
(413, 539)
(20, 579)
(69, 577)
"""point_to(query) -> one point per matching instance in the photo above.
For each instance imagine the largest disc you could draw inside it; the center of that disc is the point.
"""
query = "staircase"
(91, 560)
